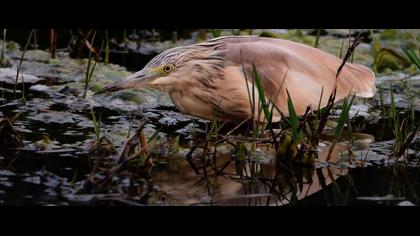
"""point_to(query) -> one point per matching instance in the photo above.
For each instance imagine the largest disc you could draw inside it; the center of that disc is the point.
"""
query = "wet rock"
(6, 173)
(384, 147)
(414, 81)
(189, 130)
(5, 182)
(359, 110)
(385, 80)
(41, 88)
(361, 144)
(83, 124)
(56, 117)
(8, 76)
(10, 92)
(154, 48)
(369, 155)
(151, 115)
(78, 104)
(66, 90)
(388, 197)
(119, 104)
(57, 150)
(173, 118)
(168, 121)
(37, 55)
(130, 96)
(406, 90)
(5, 61)
(134, 101)
(405, 203)
(33, 180)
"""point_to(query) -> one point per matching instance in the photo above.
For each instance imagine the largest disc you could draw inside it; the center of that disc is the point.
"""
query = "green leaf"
(261, 94)
(395, 118)
(412, 56)
(293, 118)
(344, 116)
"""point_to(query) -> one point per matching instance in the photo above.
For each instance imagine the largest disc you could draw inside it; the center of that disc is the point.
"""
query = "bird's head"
(162, 71)
(176, 67)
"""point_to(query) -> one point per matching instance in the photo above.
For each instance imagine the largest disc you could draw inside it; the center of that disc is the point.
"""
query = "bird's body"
(214, 79)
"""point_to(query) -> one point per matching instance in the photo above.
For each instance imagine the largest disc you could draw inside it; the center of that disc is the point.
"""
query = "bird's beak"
(136, 80)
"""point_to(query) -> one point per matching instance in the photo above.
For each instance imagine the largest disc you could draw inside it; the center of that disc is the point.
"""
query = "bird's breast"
(188, 102)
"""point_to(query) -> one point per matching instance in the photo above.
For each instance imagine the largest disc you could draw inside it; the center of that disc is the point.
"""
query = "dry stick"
(142, 139)
(21, 60)
(3, 46)
(334, 184)
(188, 157)
(214, 168)
(143, 144)
(91, 48)
(410, 187)
(322, 181)
(318, 34)
(53, 42)
(207, 182)
(106, 47)
(89, 71)
(227, 136)
(35, 40)
(274, 137)
(129, 142)
(123, 164)
(350, 51)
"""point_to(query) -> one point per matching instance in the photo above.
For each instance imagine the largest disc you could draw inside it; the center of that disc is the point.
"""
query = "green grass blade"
(412, 56)
(344, 116)
(96, 125)
(261, 94)
(293, 118)
(319, 103)
(382, 100)
(318, 34)
(341, 49)
(394, 117)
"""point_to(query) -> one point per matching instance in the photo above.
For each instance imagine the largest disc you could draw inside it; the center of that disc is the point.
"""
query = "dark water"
(361, 186)
(365, 187)
(31, 177)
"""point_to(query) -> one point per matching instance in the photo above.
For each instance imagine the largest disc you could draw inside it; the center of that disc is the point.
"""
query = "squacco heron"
(213, 79)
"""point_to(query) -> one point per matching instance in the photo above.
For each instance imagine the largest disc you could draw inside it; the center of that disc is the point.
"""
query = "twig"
(21, 60)
(331, 99)
(132, 141)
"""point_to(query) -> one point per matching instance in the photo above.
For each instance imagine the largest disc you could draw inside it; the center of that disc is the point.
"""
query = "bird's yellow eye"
(168, 68)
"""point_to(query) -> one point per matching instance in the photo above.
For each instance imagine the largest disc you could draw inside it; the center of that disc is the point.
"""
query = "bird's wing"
(304, 71)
